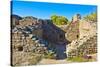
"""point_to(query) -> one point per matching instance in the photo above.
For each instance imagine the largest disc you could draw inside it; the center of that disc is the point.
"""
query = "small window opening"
(20, 48)
(77, 36)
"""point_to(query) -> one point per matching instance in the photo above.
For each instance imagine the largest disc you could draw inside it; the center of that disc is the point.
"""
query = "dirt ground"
(64, 61)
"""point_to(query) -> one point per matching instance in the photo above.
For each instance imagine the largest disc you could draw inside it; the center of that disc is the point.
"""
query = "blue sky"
(44, 10)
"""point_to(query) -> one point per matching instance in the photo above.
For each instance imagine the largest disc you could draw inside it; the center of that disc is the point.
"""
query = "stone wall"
(72, 32)
(87, 47)
(32, 38)
(83, 37)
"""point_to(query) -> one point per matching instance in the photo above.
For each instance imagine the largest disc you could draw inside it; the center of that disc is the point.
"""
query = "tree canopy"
(91, 17)
(59, 20)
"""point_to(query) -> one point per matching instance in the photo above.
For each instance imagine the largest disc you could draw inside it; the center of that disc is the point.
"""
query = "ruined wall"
(88, 46)
(53, 33)
(72, 32)
(86, 43)
(87, 28)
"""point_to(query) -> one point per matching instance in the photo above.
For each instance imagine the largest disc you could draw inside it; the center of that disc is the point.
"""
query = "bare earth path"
(64, 61)
(53, 61)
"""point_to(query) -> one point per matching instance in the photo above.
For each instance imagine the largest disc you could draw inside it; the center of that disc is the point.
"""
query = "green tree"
(91, 17)
(59, 20)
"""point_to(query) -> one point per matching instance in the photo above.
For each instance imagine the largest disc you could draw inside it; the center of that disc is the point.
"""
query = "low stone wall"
(87, 47)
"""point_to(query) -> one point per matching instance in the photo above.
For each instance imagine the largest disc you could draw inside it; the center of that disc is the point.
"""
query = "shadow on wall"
(56, 36)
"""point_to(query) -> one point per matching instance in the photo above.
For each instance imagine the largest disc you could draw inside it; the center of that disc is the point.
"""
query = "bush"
(78, 59)
(91, 17)
(59, 20)
(50, 55)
